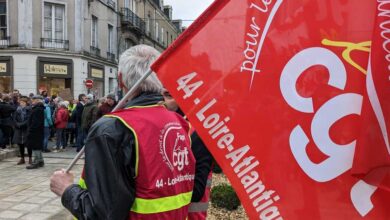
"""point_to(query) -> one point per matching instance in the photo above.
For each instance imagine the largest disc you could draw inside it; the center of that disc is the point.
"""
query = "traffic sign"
(89, 83)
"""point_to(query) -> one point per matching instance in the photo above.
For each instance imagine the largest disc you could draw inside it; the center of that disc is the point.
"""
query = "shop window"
(54, 86)
(5, 84)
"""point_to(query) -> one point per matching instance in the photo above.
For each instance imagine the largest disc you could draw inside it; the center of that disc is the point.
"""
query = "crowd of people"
(32, 121)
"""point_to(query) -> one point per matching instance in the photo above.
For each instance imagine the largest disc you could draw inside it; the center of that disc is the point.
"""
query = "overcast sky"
(187, 9)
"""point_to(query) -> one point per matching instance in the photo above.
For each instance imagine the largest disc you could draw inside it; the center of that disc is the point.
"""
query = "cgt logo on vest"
(173, 146)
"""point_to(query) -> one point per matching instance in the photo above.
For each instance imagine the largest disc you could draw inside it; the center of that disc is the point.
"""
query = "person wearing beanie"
(35, 131)
(107, 106)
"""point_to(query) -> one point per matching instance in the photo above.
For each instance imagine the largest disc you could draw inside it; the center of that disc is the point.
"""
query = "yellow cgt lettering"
(349, 47)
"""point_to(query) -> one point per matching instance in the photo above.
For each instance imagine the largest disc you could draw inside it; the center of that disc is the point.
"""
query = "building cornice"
(43, 52)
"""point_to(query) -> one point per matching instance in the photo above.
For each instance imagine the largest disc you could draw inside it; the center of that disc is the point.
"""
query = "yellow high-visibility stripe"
(82, 183)
(165, 204)
(135, 137)
(147, 106)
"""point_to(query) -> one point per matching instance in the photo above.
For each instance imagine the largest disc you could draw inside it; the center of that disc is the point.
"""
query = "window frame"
(7, 19)
(95, 37)
(162, 35)
(157, 31)
(54, 3)
(110, 45)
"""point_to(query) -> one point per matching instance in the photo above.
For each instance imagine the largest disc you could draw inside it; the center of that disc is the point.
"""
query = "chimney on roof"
(168, 11)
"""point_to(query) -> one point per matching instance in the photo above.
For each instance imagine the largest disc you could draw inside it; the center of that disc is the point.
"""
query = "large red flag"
(274, 88)
(372, 156)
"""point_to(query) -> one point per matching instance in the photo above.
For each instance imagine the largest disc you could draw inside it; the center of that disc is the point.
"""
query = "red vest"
(165, 165)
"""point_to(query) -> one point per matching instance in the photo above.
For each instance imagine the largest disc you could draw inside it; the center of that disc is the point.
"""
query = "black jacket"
(77, 113)
(21, 124)
(109, 170)
(35, 128)
(6, 111)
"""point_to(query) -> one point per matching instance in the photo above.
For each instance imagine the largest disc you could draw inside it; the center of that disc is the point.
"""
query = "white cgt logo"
(179, 156)
(340, 156)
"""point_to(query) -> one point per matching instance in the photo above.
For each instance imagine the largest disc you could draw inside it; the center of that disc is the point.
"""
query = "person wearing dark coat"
(6, 120)
(76, 117)
(21, 117)
(35, 132)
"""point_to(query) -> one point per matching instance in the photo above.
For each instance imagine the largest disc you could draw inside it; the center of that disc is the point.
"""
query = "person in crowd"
(16, 92)
(52, 109)
(117, 163)
(76, 117)
(48, 125)
(70, 133)
(7, 122)
(15, 98)
(60, 123)
(107, 106)
(203, 168)
(89, 115)
(31, 95)
(101, 101)
(21, 117)
(44, 94)
(35, 131)
(56, 106)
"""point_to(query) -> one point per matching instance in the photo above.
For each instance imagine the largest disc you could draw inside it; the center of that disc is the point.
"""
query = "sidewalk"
(25, 194)
(7, 153)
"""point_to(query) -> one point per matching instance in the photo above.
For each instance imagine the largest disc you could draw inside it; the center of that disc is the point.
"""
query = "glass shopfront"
(96, 73)
(55, 75)
(6, 72)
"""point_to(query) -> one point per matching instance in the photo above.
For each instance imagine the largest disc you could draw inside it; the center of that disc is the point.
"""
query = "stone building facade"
(147, 22)
(56, 45)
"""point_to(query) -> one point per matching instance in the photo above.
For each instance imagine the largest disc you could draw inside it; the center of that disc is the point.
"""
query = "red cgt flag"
(274, 88)
(372, 156)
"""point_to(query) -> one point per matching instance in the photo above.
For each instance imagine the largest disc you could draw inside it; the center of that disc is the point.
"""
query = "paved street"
(25, 194)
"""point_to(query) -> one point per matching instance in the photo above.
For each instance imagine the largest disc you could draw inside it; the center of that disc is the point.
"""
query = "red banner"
(372, 156)
(275, 89)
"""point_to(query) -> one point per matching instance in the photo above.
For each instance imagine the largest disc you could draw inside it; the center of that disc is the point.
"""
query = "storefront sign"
(55, 69)
(97, 73)
(275, 90)
(3, 67)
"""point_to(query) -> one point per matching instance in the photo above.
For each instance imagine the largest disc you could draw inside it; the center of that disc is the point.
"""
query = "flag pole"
(120, 105)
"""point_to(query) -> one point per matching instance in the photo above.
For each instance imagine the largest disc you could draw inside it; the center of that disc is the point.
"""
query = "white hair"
(134, 63)
(62, 104)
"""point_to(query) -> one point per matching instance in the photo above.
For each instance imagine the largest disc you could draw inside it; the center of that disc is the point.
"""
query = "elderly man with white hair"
(138, 161)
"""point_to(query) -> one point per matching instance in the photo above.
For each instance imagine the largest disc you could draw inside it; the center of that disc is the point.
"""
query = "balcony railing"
(4, 42)
(54, 43)
(111, 4)
(95, 51)
(110, 56)
(128, 17)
